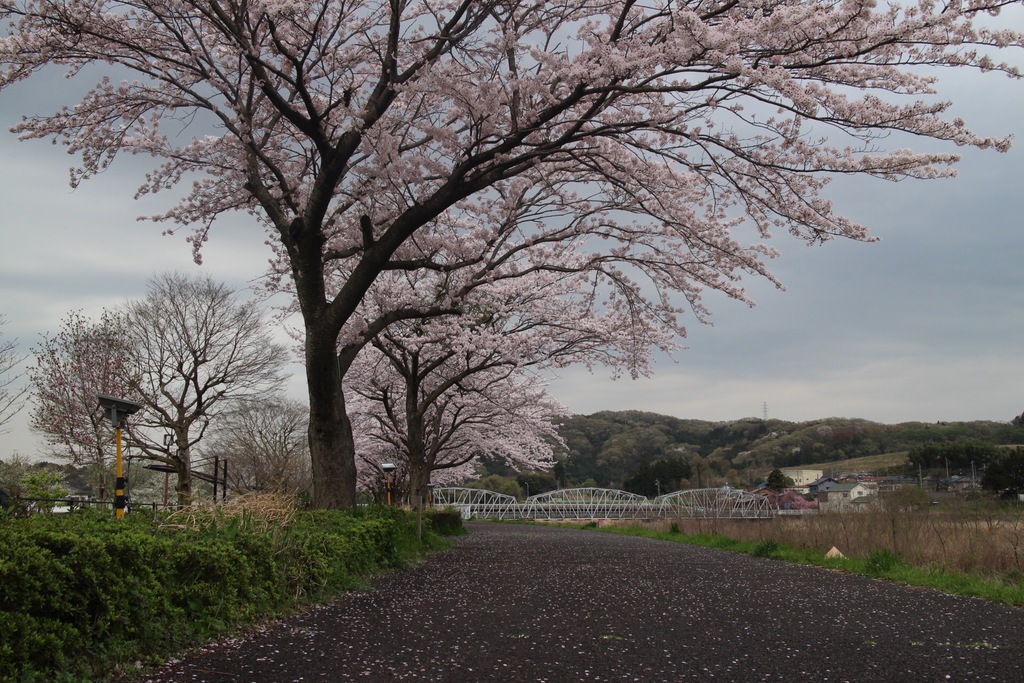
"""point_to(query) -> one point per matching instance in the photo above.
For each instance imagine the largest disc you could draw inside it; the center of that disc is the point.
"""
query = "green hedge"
(447, 522)
(87, 595)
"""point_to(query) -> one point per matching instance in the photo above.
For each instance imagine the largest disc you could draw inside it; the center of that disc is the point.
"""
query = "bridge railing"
(597, 503)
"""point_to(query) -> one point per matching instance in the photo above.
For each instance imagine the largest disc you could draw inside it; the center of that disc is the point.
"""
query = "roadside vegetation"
(84, 597)
(973, 547)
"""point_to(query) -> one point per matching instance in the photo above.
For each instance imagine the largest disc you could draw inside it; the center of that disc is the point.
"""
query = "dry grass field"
(868, 463)
(983, 538)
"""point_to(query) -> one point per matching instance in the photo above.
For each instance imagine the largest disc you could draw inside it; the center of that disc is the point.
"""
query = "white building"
(802, 478)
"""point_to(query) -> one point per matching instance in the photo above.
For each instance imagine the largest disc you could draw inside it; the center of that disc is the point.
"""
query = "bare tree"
(10, 375)
(266, 445)
(197, 350)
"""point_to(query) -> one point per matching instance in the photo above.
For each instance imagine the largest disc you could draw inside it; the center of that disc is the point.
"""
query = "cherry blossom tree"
(196, 351)
(429, 386)
(674, 137)
(505, 415)
(83, 359)
(10, 374)
(791, 500)
(428, 407)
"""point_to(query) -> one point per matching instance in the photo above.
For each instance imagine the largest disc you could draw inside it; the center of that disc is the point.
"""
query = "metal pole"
(216, 475)
(224, 488)
(119, 484)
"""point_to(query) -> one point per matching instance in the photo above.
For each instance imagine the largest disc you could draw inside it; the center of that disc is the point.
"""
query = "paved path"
(531, 603)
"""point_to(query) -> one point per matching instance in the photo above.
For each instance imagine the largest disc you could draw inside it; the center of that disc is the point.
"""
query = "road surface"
(533, 603)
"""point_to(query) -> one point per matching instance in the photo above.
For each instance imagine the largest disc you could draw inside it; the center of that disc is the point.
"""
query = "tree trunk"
(331, 446)
(419, 468)
(419, 478)
(183, 487)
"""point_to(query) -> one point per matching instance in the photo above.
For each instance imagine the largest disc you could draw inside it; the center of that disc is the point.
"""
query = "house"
(962, 483)
(820, 485)
(871, 485)
(839, 496)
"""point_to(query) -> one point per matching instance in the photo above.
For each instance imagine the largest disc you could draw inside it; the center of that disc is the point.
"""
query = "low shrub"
(88, 595)
(446, 522)
(766, 548)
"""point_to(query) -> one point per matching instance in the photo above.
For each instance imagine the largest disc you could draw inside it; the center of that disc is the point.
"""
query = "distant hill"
(625, 448)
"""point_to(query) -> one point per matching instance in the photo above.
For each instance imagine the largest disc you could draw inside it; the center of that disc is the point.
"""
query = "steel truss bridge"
(598, 503)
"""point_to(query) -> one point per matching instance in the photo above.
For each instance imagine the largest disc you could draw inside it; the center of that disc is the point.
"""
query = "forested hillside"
(645, 452)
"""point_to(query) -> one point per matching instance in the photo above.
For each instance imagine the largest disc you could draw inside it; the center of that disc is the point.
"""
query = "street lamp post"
(116, 410)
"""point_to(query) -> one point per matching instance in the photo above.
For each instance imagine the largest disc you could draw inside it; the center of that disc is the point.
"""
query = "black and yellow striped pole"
(119, 481)
(388, 469)
(116, 410)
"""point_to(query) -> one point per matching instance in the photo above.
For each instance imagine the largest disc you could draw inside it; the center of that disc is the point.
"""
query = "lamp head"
(117, 409)
(388, 467)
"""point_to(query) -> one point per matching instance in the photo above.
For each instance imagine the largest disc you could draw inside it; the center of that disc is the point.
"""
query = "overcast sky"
(927, 324)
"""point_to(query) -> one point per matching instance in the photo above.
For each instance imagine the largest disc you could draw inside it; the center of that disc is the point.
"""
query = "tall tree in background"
(266, 445)
(196, 350)
(83, 359)
(1005, 474)
(668, 133)
(777, 481)
(21, 478)
(10, 393)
